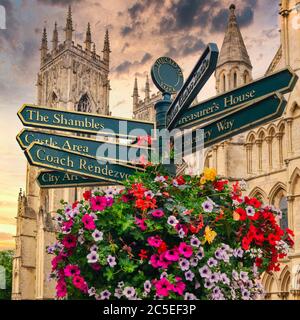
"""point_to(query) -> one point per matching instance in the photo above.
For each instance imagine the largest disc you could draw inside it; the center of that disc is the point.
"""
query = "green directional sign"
(237, 121)
(282, 81)
(202, 71)
(48, 118)
(111, 151)
(54, 158)
(60, 179)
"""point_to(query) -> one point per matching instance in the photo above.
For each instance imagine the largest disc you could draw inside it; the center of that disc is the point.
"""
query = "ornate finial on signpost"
(232, 7)
(168, 78)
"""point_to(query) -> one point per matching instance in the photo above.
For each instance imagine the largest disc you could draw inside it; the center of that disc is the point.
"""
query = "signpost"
(111, 151)
(282, 81)
(48, 118)
(60, 179)
(73, 162)
(239, 120)
(194, 83)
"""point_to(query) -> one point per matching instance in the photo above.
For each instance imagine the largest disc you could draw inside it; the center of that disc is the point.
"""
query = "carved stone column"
(279, 137)
(249, 157)
(269, 140)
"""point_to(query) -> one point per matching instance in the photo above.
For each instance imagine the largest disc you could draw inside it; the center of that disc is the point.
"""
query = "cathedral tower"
(234, 66)
(70, 78)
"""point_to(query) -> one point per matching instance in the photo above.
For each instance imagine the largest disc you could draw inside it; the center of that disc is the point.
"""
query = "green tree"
(6, 261)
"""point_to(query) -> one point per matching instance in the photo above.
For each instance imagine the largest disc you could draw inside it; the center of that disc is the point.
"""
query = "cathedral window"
(246, 77)
(235, 80)
(223, 83)
(284, 209)
(84, 104)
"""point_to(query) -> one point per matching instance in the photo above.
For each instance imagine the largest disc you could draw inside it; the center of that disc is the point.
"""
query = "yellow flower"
(210, 174)
(202, 180)
(209, 235)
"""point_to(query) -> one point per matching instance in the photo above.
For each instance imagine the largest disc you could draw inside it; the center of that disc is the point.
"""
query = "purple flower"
(184, 264)
(208, 284)
(189, 296)
(189, 275)
(238, 253)
(205, 272)
(104, 295)
(224, 279)
(245, 294)
(111, 261)
(212, 262)
(195, 242)
(244, 276)
(147, 286)
(129, 292)
(194, 262)
(94, 248)
(235, 275)
(219, 254)
(207, 206)
(214, 277)
(200, 254)
(118, 293)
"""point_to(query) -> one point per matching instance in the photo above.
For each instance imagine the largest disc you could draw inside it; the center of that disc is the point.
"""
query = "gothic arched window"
(283, 206)
(223, 83)
(84, 104)
(235, 80)
(246, 77)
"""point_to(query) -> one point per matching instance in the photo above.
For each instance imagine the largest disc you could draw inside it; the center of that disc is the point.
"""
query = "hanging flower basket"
(161, 237)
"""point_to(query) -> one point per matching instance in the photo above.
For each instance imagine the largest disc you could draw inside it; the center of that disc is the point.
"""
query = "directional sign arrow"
(282, 81)
(60, 179)
(237, 121)
(111, 151)
(194, 83)
(42, 117)
(73, 162)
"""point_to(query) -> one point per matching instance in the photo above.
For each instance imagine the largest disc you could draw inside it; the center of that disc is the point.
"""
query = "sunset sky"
(140, 32)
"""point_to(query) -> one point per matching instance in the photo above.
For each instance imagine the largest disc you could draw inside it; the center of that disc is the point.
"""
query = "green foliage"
(6, 260)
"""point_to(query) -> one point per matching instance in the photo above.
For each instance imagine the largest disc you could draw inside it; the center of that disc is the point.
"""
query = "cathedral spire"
(44, 45)
(88, 38)
(55, 38)
(69, 26)
(106, 49)
(135, 95)
(233, 47)
(147, 89)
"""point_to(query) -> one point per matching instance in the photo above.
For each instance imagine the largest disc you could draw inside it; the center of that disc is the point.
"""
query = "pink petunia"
(61, 288)
(185, 250)
(155, 261)
(141, 223)
(98, 203)
(163, 286)
(88, 222)
(154, 241)
(172, 255)
(79, 283)
(109, 201)
(55, 261)
(157, 213)
(179, 287)
(71, 270)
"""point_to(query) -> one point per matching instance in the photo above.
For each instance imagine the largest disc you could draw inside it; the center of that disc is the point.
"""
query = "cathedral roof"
(233, 47)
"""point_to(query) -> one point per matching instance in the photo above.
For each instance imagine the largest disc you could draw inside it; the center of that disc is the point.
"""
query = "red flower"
(255, 203)
(272, 238)
(162, 247)
(219, 185)
(87, 195)
(242, 213)
(180, 180)
(69, 241)
(74, 205)
(79, 283)
(246, 243)
(258, 262)
(290, 232)
(143, 254)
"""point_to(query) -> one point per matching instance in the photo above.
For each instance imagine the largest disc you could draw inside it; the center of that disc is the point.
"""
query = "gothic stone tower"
(234, 69)
(72, 78)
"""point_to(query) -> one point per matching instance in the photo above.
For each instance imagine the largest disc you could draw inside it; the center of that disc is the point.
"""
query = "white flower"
(94, 248)
(94, 216)
(129, 292)
(97, 235)
(172, 221)
(92, 257)
(250, 211)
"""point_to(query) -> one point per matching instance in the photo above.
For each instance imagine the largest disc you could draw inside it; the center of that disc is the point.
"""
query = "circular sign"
(167, 75)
